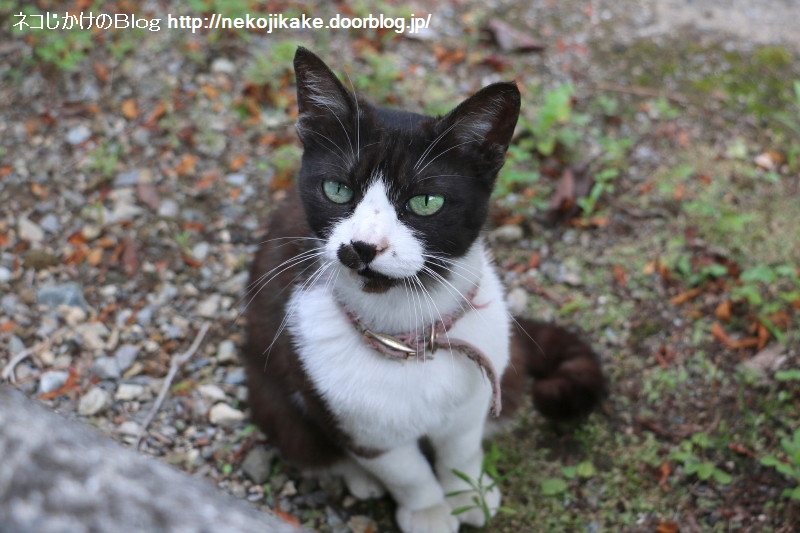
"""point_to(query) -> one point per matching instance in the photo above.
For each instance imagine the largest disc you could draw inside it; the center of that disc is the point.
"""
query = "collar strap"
(422, 345)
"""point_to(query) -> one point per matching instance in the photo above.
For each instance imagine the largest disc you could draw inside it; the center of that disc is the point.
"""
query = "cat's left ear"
(487, 118)
(320, 94)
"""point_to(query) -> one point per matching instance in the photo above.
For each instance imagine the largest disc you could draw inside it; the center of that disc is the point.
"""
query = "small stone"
(72, 315)
(222, 65)
(94, 401)
(212, 392)
(507, 234)
(168, 209)
(40, 259)
(361, 524)
(235, 376)
(226, 352)
(223, 414)
(128, 427)
(236, 179)
(129, 392)
(131, 178)
(78, 134)
(209, 307)
(257, 465)
(200, 251)
(105, 368)
(289, 489)
(5, 275)
(144, 317)
(50, 223)
(52, 380)
(92, 335)
(29, 230)
(65, 294)
(15, 345)
(517, 300)
(125, 356)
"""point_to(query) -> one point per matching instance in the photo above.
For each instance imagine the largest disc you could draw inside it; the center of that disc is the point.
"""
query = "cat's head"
(396, 194)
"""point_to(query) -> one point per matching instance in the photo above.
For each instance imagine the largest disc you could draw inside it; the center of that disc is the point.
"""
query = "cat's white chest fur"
(381, 403)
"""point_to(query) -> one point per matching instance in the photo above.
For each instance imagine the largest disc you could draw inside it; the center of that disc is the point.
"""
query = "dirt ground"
(650, 200)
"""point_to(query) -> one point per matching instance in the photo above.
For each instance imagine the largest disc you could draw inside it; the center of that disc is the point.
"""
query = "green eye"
(337, 192)
(425, 204)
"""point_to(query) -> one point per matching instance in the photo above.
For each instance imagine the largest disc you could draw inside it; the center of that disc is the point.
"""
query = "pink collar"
(421, 345)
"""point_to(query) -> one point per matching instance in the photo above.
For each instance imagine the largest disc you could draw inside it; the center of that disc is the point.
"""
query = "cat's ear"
(319, 92)
(485, 121)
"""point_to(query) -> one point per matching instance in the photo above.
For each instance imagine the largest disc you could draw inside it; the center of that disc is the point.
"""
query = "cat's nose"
(357, 254)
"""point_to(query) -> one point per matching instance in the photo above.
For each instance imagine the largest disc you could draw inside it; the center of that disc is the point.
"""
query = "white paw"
(435, 519)
(477, 506)
(363, 485)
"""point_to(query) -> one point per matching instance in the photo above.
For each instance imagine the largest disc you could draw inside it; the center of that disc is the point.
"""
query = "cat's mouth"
(375, 282)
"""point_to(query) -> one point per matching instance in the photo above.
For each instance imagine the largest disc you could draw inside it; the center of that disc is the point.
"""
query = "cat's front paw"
(435, 519)
(473, 508)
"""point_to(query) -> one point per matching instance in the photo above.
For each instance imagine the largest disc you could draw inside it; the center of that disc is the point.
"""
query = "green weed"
(790, 466)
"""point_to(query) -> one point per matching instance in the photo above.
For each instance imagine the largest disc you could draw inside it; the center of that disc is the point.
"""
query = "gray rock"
(125, 356)
(78, 134)
(52, 380)
(223, 414)
(209, 307)
(257, 465)
(223, 65)
(130, 391)
(105, 368)
(507, 234)
(226, 352)
(517, 300)
(5, 275)
(131, 178)
(94, 401)
(50, 223)
(235, 376)
(64, 294)
(29, 230)
(237, 179)
(168, 209)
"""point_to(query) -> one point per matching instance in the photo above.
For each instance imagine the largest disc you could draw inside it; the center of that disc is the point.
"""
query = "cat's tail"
(568, 377)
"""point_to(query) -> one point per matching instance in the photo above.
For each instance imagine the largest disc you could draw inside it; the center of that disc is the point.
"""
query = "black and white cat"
(378, 320)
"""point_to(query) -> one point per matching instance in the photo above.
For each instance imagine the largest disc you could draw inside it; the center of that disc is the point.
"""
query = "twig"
(175, 364)
(8, 370)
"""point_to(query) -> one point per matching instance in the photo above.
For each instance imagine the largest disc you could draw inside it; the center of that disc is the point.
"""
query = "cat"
(377, 320)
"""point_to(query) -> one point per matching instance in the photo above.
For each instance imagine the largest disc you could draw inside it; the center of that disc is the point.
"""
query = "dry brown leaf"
(684, 297)
(237, 162)
(69, 385)
(7, 326)
(129, 109)
(620, 275)
(723, 311)
(101, 71)
(667, 527)
(158, 111)
(205, 181)
(510, 39)
(186, 165)
(95, 256)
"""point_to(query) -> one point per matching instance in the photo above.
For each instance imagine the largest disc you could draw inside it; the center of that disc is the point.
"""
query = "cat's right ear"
(320, 94)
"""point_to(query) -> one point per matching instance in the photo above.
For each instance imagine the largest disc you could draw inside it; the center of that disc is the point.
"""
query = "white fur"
(389, 405)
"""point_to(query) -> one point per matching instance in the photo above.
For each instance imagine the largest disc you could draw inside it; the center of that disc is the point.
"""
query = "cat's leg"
(458, 452)
(406, 473)
(359, 481)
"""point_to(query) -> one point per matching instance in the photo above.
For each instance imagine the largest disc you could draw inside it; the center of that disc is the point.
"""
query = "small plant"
(696, 465)
(790, 466)
(490, 459)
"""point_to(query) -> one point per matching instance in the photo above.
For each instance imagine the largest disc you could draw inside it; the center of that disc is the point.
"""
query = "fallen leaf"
(741, 450)
(719, 333)
(210, 91)
(620, 275)
(667, 527)
(510, 39)
(286, 517)
(191, 261)
(723, 311)
(237, 162)
(158, 111)
(7, 326)
(129, 109)
(101, 71)
(186, 165)
(664, 472)
(95, 256)
(684, 296)
(206, 181)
